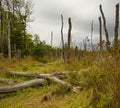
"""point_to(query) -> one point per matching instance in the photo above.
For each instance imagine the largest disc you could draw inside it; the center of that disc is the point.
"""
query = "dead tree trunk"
(13, 24)
(51, 77)
(9, 32)
(1, 26)
(51, 39)
(9, 40)
(105, 29)
(100, 30)
(56, 74)
(13, 88)
(116, 29)
(92, 35)
(84, 45)
(76, 51)
(63, 49)
(75, 89)
(31, 74)
(69, 39)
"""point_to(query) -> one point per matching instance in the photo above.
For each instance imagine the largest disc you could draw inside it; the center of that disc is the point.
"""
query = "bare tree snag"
(51, 39)
(1, 26)
(63, 49)
(76, 51)
(13, 88)
(105, 29)
(9, 30)
(100, 30)
(92, 35)
(84, 45)
(9, 40)
(116, 29)
(69, 39)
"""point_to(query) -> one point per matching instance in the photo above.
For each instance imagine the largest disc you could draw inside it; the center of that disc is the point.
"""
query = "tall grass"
(100, 84)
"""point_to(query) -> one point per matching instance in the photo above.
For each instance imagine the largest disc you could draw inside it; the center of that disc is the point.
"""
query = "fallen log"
(13, 88)
(68, 72)
(48, 77)
(30, 74)
(45, 76)
(57, 74)
(53, 77)
(75, 89)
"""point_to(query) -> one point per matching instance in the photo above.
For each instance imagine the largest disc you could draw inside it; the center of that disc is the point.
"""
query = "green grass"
(97, 85)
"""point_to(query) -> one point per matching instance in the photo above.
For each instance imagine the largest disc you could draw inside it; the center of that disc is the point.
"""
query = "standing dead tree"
(9, 38)
(69, 39)
(116, 29)
(101, 42)
(92, 35)
(84, 44)
(63, 49)
(1, 26)
(51, 39)
(105, 29)
(9, 30)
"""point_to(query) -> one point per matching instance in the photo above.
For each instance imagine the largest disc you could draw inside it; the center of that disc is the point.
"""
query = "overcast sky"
(46, 15)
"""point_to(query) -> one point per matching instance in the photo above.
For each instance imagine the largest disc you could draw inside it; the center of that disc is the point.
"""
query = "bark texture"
(116, 29)
(63, 48)
(100, 30)
(69, 39)
(105, 29)
(13, 88)
(50, 77)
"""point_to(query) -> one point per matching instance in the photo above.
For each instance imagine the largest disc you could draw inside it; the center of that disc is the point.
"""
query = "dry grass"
(100, 85)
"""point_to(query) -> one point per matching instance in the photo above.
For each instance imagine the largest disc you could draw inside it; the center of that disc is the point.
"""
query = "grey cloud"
(47, 14)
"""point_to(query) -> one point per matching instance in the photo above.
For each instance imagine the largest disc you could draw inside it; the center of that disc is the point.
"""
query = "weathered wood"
(69, 39)
(116, 29)
(75, 89)
(13, 88)
(30, 74)
(1, 27)
(51, 39)
(92, 35)
(105, 29)
(56, 74)
(100, 31)
(63, 49)
(68, 72)
(9, 37)
(51, 77)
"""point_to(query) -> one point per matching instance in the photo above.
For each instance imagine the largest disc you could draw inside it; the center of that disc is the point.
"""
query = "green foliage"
(19, 12)
(39, 50)
(74, 78)
(61, 90)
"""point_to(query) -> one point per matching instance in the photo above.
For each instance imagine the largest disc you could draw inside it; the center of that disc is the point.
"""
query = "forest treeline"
(14, 38)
